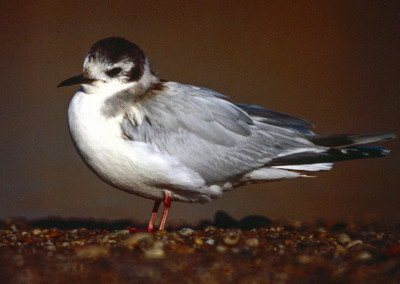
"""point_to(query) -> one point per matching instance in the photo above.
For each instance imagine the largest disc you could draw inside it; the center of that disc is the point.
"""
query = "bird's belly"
(119, 162)
(133, 166)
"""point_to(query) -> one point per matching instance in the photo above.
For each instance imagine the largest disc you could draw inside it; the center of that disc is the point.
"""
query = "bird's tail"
(341, 148)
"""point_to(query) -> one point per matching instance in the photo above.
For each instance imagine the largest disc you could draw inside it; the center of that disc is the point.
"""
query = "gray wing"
(209, 134)
(277, 118)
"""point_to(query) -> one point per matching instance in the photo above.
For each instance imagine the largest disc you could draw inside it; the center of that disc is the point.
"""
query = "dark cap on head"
(116, 48)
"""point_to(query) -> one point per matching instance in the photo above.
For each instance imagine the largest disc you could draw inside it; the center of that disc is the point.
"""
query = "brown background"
(334, 63)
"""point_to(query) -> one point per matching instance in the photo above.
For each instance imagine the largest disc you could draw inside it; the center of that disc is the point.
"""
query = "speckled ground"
(253, 250)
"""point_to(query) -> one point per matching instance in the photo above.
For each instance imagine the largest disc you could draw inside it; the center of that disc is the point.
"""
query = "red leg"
(167, 205)
(150, 227)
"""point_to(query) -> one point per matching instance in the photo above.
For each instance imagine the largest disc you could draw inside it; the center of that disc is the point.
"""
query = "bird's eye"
(114, 72)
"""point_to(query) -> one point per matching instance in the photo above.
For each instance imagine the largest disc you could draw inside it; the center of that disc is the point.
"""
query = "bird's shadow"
(221, 220)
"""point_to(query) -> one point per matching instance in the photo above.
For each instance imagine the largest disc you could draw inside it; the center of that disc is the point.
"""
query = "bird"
(169, 141)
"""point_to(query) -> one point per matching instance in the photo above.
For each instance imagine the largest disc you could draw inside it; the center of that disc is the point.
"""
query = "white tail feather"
(309, 167)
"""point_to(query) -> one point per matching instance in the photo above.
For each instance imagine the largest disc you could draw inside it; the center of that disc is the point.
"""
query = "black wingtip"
(331, 155)
(359, 152)
(341, 140)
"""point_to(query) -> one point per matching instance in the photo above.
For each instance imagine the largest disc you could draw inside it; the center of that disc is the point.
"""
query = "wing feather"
(208, 134)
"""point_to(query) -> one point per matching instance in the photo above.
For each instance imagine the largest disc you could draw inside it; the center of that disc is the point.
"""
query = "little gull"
(173, 142)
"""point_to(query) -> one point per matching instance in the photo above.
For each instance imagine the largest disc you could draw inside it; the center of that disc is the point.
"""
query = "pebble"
(50, 247)
(93, 252)
(198, 241)
(181, 248)
(210, 229)
(340, 249)
(276, 254)
(78, 242)
(252, 242)
(364, 255)
(304, 259)
(36, 232)
(157, 251)
(272, 235)
(232, 236)
(186, 232)
(344, 238)
(161, 234)
(142, 240)
(117, 234)
(354, 243)
(220, 248)
(210, 242)
(326, 236)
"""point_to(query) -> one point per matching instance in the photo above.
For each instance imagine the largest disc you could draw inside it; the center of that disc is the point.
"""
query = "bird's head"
(112, 65)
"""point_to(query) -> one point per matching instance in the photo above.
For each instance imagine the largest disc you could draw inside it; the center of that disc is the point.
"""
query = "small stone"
(161, 234)
(93, 252)
(343, 238)
(186, 232)
(53, 234)
(221, 248)
(117, 234)
(110, 242)
(364, 255)
(304, 259)
(175, 236)
(157, 251)
(281, 249)
(210, 242)
(232, 237)
(182, 249)
(210, 229)
(252, 242)
(324, 236)
(50, 247)
(272, 235)
(78, 242)
(198, 241)
(340, 249)
(354, 243)
(26, 238)
(235, 249)
(379, 236)
(142, 240)
(289, 243)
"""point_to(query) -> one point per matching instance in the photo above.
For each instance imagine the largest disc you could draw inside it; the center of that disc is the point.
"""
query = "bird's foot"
(139, 230)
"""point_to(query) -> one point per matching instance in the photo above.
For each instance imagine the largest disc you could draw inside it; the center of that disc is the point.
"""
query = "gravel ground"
(252, 250)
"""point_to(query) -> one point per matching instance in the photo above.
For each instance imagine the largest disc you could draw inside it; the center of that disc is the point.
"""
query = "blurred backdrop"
(334, 63)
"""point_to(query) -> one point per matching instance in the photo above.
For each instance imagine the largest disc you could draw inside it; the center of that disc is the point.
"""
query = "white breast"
(131, 166)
